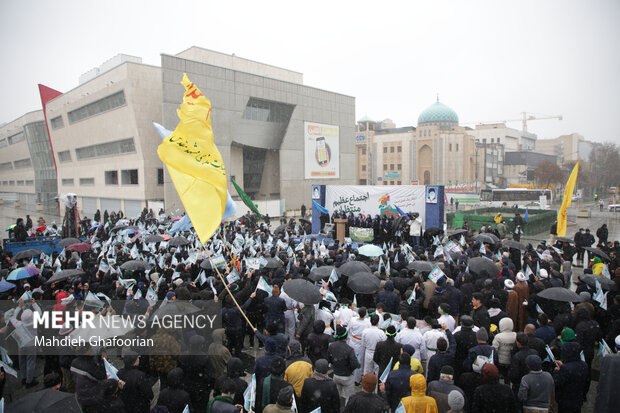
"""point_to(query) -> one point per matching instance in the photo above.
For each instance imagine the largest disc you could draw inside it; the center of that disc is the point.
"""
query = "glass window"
(87, 181)
(67, 182)
(99, 106)
(64, 156)
(450, 147)
(29, 182)
(11, 183)
(385, 167)
(400, 149)
(399, 167)
(20, 183)
(57, 123)
(497, 140)
(160, 176)
(398, 183)
(22, 163)
(3, 143)
(391, 149)
(267, 111)
(6, 166)
(111, 177)
(457, 147)
(18, 137)
(118, 147)
(129, 177)
(364, 151)
(385, 149)
(363, 167)
(391, 167)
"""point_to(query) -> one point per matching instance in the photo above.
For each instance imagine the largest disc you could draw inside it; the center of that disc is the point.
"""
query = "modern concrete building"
(498, 133)
(489, 163)
(566, 148)
(104, 142)
(519, 166)
(27, 171)
(263, 120)
(437, 151)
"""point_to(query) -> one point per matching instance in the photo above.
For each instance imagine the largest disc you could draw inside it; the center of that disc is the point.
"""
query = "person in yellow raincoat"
(597, 266)
(498, 218)
(419, 402)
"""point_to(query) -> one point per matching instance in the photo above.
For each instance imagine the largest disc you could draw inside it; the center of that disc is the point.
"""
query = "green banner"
(246, 199)
(361, 234)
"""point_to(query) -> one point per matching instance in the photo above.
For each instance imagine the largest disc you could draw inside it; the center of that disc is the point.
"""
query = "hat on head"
(369, 382)
(521, 276)
(533, 362)
(170, 294)
(154, 276)
(543, 273)
(456, 401)
(482, 335)
(177, 282)
(447, 369)
(509, 284)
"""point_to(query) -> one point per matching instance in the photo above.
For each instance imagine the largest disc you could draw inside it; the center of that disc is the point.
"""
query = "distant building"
(566, 148)
(499, 133)
(437, 151)
(519, 166)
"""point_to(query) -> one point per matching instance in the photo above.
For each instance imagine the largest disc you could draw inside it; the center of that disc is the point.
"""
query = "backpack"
(480, 361)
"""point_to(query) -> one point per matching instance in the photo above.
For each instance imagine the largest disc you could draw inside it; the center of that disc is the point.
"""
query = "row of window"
(27, 182)
(13, 139)
(399, 149)
(127, 177)
(484, 140)
(399, 167)
(94, 108)
(392, 182)
(18, 164)
(119, 147)
(450, 147)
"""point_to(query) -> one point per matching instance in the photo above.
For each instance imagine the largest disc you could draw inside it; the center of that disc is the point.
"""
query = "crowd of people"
(453, 322)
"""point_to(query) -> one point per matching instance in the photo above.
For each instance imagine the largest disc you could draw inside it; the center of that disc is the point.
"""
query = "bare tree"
(548, 173)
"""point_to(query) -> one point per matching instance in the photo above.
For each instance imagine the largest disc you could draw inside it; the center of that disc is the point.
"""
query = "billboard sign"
(321, 151)
(376, 200)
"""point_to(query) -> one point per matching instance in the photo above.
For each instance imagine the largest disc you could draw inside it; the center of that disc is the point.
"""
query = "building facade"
(437, 151)
(519, 166)
(566, 148)
(263, 118)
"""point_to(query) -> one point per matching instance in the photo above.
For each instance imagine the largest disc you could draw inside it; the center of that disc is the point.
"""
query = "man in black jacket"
(88, 374)
(518, 368)
(397, 384)
(137, 392)
(534, 342)
(387, 349)
(572, 379)
(343, 359)
(320, 391)
(480, 314)
(367, 400)
(444, 356)
(465, 339)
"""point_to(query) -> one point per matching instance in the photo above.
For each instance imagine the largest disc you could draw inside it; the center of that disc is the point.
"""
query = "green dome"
(438, 114)
(366, 118)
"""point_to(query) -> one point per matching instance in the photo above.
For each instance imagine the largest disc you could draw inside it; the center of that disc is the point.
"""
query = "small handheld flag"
(110, 370)
(386, 372)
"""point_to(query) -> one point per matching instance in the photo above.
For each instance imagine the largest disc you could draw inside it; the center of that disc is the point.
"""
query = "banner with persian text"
(376, 200)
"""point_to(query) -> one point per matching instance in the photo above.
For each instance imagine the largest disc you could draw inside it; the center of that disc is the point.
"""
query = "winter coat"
(173, 396)
(88, 376)
(518, 368)
(219, 354)
(319, 393)
(386, 350)
(221, 404)
(275, 308)
(342, 358)
(419, 402)
(390, 300)
(267, 391)
(397, 385)
(262, 366)
(168, 348)
(608, 396)
(367, 403)
(572, 379)
(465, 339)
(481, 317)
(494, 398)
(536, 390)
(438, 360)
(440, 389)
(504, 342)
(235, 372)
(137, 392)
(479, 350)
(318, 342)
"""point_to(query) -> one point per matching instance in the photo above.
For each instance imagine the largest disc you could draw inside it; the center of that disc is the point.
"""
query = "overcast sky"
(488, 60)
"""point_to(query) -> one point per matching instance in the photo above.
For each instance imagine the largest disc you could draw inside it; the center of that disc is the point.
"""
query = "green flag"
(246, 199)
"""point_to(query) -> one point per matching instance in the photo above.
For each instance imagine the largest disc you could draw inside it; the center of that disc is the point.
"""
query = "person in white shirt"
(412, 336)
(370, 338)
(445, 317)
(354, 339)
(345, 313)
(289, 315)
(430, 339)
(415, 229)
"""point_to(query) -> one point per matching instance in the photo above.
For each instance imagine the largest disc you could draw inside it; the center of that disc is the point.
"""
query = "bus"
(516, 196)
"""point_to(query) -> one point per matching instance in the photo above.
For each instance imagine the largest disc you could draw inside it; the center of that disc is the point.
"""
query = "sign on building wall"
(321, 151)
(392, 175)
(360, 138)
(376, 200)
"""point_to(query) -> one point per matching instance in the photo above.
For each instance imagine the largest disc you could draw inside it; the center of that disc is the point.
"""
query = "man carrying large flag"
(195, 164)
(566, 201)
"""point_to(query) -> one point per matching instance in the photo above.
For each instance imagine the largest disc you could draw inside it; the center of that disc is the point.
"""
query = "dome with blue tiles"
(438, 114)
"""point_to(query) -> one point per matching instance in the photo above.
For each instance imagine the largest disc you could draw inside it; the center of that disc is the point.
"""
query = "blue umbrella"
(370, 250)
(22, 273)
(5, 286)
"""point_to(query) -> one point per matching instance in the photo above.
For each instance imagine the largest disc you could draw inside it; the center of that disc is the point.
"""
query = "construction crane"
(526, 116)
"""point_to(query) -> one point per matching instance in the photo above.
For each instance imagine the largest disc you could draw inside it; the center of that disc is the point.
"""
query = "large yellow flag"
(195, 164)
(566, 201)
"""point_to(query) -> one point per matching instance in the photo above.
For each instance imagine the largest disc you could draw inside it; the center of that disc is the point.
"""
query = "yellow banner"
(566, 201)
(195, 164)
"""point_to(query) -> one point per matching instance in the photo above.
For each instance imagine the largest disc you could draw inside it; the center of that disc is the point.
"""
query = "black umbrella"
(65, 242)
(305, 221)
(351, 267)
(560, 294)
(564, 239)
(606, 284)
(136, 265)
(152, 238)
(65, 275)
(321, 273)
(178, 241)
(510, 243)
(420, 266)
(27, 254)
(280, 228)
(598, 252)
(458, 232)
(176, 307)
(272, 263)
(303, 291)
(364, 283)
(486, 238)
(479, 264)
(432, 231)
(46, 401)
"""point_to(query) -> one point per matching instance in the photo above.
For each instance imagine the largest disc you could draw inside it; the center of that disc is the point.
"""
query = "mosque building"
(436, 152)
